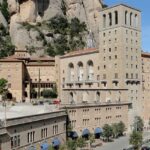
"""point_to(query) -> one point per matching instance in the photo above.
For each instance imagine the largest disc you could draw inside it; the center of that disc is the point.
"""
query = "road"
(119, 144)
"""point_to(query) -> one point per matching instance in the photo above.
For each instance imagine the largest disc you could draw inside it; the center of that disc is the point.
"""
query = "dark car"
(145, 148)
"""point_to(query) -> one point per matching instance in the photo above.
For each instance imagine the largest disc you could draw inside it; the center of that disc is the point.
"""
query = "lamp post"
(39, 81)
(5, 111)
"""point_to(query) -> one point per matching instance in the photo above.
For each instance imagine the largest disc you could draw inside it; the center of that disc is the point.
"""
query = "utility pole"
(39, 86)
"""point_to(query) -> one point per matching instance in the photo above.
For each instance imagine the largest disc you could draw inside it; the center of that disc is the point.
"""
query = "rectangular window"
(104, 76)
(98, 77)
(15, 141)
(43, 133)
(116, 75)
(31, 137)
(55, 129)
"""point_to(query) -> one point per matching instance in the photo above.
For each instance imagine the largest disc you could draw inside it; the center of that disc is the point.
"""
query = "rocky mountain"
(33, 12)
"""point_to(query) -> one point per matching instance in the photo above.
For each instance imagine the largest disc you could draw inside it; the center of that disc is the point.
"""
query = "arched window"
(127, 76)
(131, 19)
(80, 71)
(116, 17)
(71, 97)
(97, 96)
(71, 72)
(104, 21)
(85, 96)
(126, 17)
(136, 20)
(110, 19)
(90, 71)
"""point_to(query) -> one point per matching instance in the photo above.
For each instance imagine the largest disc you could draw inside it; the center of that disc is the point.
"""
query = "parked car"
(145, 148)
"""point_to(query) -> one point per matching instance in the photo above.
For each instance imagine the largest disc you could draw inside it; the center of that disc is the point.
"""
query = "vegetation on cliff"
(4, 10)
(6, 47)
(66, 35)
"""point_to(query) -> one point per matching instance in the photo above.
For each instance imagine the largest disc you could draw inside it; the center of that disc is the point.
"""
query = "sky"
(144, 6)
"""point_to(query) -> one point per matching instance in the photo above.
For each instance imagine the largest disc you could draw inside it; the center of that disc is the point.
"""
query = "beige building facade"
(146, 88)
(96, 85)
(120, 54)
(26, 74)
(31, 131)
(89, 102)
(108, 78)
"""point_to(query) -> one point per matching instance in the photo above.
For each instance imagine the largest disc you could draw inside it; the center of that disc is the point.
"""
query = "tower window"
(104, 21)
(116, 17)
(131, 19)
(126, 17)
(110, 19)
(136, 20)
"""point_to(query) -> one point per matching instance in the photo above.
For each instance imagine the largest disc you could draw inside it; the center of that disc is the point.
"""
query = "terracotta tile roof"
(30, 58)
(80, 52)
(10, 59)
(43, 58)
(145, 54)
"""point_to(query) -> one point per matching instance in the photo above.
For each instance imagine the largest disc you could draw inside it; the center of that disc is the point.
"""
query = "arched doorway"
(9, 96)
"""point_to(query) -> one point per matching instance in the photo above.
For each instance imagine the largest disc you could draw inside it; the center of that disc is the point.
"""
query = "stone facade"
(120, 54)
(111, 74)
(105, 82)
(146, 88)
(13, 72)
(89, 102)
(43, 127)
(25, 73)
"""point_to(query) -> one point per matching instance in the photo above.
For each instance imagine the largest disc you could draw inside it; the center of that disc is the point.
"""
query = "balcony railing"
(133, 81)
(96, 103)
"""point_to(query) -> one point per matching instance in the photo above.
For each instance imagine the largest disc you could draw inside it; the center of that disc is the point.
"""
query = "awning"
(98, 131)
(55, 142)
(44, 146)
(85, 132)
(75, 135)
(32, 148)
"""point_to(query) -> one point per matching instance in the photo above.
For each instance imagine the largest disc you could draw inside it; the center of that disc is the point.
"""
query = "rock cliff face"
(33, 11)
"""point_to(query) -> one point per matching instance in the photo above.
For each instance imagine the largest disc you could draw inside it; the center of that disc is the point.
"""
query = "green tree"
(121, 128)
(47, 93)
(61, 45)
(81, 142)
(70, 35)
(76, 27)
(107, 131)
(91, 139)
(50, 50)
(4, 9)
(136, 139)
(115, 130)
(3, 87)
(138, 123)
(71, 144)
(6, 47)
(58, 24)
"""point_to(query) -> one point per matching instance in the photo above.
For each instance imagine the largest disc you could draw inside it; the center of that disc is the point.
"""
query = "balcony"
(69, 83)
(95, 103)
(132, 81)
(104, 81)
(91, 81)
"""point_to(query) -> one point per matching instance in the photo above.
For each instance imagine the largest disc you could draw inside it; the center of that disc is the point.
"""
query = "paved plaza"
(120, 143)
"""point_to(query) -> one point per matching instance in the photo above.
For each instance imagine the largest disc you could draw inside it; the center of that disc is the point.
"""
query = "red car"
(57, 101)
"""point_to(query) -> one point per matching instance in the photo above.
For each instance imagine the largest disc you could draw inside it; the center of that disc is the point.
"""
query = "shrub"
(49, 94)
